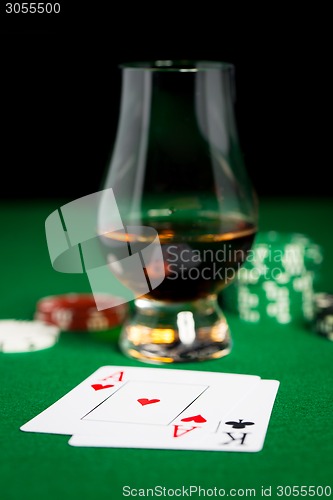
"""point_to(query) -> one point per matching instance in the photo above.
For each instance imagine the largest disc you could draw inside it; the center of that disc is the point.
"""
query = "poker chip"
(25, 336)
(78, 312)
(278, 280)
(279, 257)
(323, 315)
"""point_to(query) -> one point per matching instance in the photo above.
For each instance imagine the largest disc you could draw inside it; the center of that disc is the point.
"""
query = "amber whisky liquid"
(199, 258)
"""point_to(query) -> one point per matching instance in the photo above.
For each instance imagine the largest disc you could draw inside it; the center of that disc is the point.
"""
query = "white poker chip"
(26, 336)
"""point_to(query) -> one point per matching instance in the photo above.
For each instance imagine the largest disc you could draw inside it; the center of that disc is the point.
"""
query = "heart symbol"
(98, 387)
(145, 401)
(196, 418)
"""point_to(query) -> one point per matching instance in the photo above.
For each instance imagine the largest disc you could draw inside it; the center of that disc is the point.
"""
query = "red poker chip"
(75, 311)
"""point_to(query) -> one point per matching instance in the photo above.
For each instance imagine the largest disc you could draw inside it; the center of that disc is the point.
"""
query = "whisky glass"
(177, 167)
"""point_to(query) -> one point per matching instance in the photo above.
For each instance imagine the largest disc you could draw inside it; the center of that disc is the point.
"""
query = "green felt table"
(298, 450)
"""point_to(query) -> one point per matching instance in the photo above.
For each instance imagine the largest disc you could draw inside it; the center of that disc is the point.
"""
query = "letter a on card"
(181, 431)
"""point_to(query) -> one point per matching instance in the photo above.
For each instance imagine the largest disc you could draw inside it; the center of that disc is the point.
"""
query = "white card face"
(112, 393)
(155, 403)
(246, 426)
(242, 429)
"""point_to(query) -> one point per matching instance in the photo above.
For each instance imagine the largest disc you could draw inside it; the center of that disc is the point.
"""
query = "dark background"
(60, 90)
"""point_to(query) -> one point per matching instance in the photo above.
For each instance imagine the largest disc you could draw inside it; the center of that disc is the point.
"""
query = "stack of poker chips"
(323, 315)
(77, 312)
(278, 280)
(25, 335)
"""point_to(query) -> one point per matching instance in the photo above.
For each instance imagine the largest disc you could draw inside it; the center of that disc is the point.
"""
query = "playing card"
(246, 427)
(164, 402)
(243, 429)
(116, 396)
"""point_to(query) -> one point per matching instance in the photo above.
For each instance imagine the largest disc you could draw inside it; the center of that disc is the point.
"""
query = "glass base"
(161, 332)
